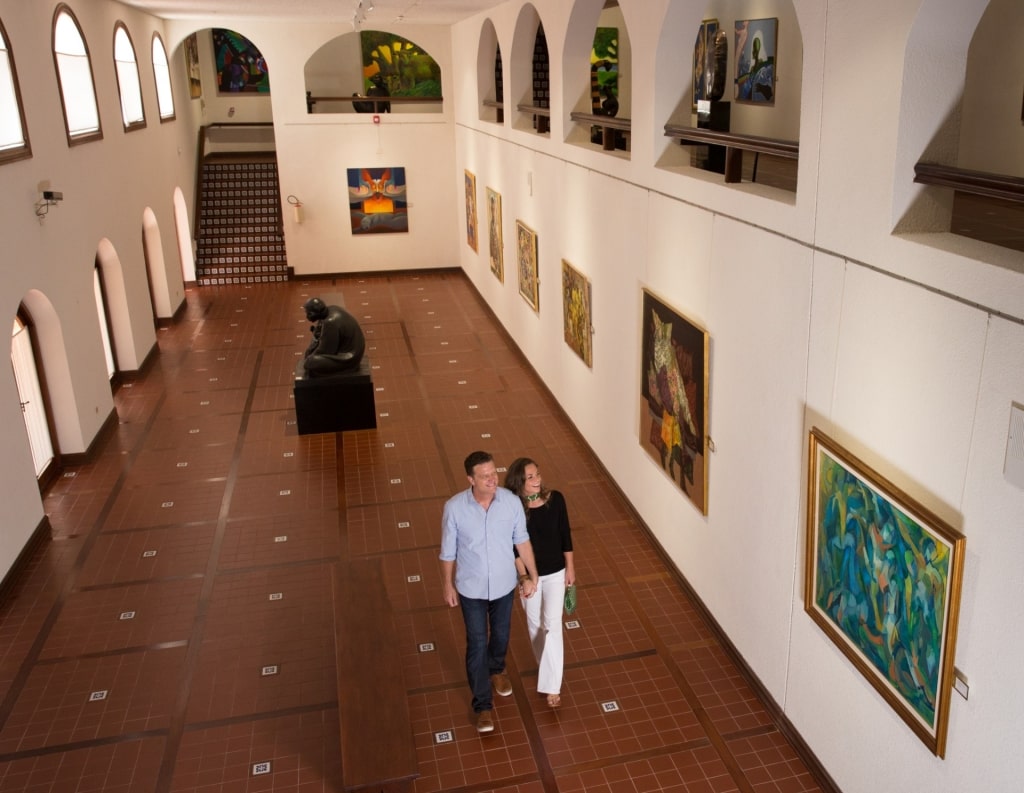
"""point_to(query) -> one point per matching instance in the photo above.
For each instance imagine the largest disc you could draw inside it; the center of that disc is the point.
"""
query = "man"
(479, 528)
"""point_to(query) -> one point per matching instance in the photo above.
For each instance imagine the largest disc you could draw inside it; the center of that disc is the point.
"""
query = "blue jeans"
(485, 656)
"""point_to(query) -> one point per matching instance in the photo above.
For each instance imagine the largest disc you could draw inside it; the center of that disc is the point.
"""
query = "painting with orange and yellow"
(376, 200)
(399, 66)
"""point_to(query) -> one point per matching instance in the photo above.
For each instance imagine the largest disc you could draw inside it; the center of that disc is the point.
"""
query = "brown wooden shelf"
(735, 144)
(610, 126)
(981, 183)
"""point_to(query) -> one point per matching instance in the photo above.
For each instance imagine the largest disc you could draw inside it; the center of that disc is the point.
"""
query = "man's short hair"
(475, 459)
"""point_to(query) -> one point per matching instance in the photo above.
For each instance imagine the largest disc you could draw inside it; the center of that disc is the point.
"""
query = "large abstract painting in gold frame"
(494, 238)
(883, 581)
(674, 396)
(471, 226)
(576, 312)
(526, 258)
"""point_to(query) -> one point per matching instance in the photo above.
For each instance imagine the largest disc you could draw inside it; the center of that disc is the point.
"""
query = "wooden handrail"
(398, 100)
(992, 185)
(494, 103)
(537, 111)
(789, 149)
(611, 122)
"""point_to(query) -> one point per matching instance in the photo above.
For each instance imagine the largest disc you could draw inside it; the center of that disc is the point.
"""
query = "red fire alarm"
(376, 119)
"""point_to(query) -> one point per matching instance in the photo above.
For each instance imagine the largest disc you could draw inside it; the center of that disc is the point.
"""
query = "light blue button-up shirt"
(480, 542)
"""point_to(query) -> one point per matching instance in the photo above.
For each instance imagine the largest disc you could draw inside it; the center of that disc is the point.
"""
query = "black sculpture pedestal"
(717, 118)
(335, 403)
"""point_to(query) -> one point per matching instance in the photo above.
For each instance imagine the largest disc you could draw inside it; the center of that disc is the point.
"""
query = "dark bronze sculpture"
(338, 342)
(716, 66)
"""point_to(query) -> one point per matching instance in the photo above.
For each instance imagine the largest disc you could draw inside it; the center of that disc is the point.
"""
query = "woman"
(547, 521)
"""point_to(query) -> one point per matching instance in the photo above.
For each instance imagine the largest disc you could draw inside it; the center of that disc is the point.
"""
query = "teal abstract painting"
(884, 581)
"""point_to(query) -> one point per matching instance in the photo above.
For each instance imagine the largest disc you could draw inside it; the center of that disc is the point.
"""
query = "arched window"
(162, 74)
(13, 133)
(74, 75)
(132, 113)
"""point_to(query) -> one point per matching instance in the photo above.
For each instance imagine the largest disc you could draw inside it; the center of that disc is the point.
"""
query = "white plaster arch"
(519, 77)
(183, 233)
(55, 370)
(488, 50)
(579, 42)
(155, 269)
(934, 72)
(121, 335)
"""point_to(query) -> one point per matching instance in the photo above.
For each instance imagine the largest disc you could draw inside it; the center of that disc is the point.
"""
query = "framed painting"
(883, 581)
(705, 41)
(241, 68)
(576, 312)
(756, 42)
(674, 396)
(526, 250)
(377, 201)
(494, 239)
(192, 73)
(471, 229)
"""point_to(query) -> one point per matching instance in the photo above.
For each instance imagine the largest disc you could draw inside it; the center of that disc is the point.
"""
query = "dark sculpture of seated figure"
(338, 343)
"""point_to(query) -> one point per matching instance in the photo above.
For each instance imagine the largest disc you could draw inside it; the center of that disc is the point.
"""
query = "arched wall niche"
(117, 306)
(934, 74)
(183, 233)
(673, 76)
(55, 371)
(990, 134)
(156, 271)
(336, 69)
(519, 85)
(488, 51)
(587, 16)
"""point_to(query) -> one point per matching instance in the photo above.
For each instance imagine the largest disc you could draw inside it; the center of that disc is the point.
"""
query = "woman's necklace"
(532, 497)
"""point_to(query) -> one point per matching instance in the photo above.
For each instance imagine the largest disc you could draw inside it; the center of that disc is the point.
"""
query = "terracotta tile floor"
(178, 629)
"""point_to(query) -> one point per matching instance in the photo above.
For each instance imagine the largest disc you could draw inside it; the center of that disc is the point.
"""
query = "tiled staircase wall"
(240, 238)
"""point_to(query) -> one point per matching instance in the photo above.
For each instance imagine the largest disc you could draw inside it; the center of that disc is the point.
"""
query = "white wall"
(905, 347)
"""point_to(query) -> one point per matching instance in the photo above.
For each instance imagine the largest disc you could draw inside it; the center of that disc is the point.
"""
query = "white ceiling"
(429, 12)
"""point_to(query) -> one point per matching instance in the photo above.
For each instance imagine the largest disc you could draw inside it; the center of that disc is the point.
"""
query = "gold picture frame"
(576, 316)
(674, 384)
(471, 224)
(496, 244)
(526, 258)
(883, 581)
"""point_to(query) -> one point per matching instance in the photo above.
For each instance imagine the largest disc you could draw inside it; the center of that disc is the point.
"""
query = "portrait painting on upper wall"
(377, 200)
(241, 67)
(756, 42)
(703, 45)
(192, 73)
(674, 396)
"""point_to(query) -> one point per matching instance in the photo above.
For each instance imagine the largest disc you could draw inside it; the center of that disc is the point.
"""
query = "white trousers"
(544, 623)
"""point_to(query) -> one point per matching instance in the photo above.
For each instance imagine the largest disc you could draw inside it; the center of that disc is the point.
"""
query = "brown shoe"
(501, 683)
(484, 721)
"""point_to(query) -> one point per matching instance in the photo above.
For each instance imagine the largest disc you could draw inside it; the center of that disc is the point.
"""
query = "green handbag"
(570, 599)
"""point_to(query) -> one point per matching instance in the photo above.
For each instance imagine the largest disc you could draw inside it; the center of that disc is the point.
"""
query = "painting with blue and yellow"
(883, 580)
(377, 201)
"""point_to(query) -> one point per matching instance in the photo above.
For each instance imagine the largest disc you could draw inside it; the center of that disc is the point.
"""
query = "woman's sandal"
(554, 700)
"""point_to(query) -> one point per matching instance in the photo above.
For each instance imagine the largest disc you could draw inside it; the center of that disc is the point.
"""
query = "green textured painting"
(884, 582)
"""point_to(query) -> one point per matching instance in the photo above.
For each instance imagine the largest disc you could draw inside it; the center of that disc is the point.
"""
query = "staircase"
(240, 238)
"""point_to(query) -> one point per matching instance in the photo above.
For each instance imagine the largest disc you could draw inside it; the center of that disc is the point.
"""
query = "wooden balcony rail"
(991, 185)
(541, 116)
(499, 107)
(378, 101)
(610, 127)
(735, 144)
